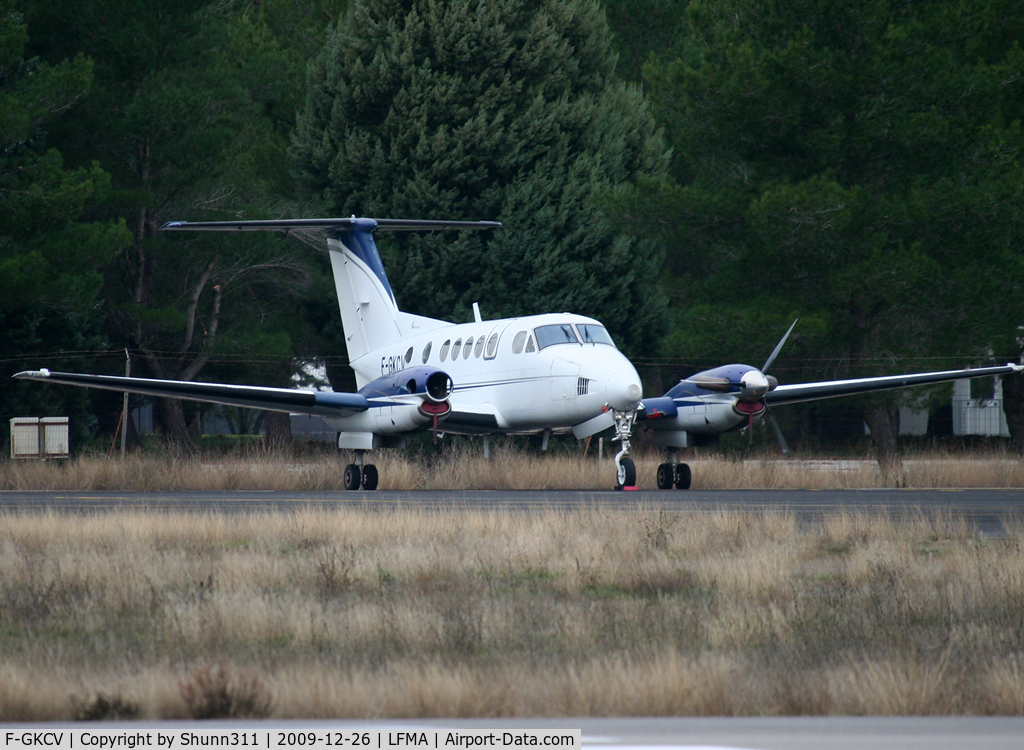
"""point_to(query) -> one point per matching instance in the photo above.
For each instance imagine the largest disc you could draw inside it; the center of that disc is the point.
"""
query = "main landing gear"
(359, 475)
(625, 469)
(672, 473)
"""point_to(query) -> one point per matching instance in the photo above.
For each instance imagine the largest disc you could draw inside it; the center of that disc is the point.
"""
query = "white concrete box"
(32, 437)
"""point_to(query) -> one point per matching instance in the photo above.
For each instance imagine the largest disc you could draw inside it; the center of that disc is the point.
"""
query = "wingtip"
(32, 374)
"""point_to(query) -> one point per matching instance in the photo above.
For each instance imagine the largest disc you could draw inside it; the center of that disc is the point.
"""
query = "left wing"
(797, 392)
(322, 404)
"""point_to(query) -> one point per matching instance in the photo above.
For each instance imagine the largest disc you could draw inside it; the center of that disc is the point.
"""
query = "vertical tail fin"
(369, 312)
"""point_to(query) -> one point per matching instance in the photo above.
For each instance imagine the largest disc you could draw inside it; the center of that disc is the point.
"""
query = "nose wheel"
(625, 473)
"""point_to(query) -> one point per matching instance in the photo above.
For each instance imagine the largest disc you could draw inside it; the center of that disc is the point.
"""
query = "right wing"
(791, 394)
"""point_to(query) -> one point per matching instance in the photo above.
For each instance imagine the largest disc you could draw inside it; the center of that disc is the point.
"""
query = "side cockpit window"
(518, 342)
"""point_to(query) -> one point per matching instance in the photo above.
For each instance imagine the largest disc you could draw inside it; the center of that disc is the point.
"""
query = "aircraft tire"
(666, 476)
(352, 477)
(369, 477)
(683, 476)
(626, 474)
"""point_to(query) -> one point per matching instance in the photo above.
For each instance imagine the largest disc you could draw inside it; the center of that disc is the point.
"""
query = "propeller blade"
(778, 433)
(778, 348)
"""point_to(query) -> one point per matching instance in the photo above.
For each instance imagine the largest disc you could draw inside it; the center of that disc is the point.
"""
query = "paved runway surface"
(986, 508)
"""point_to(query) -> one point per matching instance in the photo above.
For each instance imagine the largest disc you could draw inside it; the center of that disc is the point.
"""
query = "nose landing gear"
(625, 469)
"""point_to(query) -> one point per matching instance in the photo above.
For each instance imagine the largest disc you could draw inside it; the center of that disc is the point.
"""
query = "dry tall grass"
(510, 468)
(346, 613)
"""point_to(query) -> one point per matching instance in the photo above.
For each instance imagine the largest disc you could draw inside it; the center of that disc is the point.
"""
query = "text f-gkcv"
(35, 739)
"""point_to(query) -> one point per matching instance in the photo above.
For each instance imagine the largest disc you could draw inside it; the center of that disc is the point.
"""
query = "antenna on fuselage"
(476, 313)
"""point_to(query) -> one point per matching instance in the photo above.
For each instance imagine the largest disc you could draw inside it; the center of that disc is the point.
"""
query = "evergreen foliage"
(50, 250)
(856, 164)
(504, 110)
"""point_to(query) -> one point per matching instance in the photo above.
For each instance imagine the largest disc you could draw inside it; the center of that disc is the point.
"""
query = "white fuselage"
(506, 380)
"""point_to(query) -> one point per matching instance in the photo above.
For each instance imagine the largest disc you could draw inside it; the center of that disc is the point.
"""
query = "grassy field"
(411, 614)
(509, 468)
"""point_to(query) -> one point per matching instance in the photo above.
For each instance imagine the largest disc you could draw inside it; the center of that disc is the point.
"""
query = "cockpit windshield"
(594, 334)
(562, 333)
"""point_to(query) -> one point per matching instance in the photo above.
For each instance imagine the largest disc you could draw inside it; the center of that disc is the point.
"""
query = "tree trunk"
(1013, 407)
(279, 431)
(884, 422)
(171, 416)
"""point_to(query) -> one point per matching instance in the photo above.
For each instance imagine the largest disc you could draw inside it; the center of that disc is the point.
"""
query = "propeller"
(753, 386)
(768, 413)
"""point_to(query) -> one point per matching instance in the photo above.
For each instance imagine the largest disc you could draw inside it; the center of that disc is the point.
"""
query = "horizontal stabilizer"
(324, 404)
(328, 226)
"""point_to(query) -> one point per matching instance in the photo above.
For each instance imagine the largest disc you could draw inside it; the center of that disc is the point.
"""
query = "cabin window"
(518, 341)
(444, 349)
(456, 348)
(561, 333)
(426, 351)
(594, 334)
(529, 345)
(492, 346)
(469, 348)
(479, 347)
(408, 356)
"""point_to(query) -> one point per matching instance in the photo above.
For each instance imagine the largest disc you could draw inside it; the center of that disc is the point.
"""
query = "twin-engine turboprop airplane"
(541, 374)
(724, 398)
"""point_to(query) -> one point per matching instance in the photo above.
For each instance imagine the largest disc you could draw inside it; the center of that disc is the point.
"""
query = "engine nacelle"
(429, 383)
(426, 391)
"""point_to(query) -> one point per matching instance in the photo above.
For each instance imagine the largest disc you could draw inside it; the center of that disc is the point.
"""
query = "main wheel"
(682, 477)
(666, 476)
(352, 477)
(626, 473)
(369, 477)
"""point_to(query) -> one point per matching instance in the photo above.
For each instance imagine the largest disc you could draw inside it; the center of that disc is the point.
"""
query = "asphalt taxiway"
(988, 509)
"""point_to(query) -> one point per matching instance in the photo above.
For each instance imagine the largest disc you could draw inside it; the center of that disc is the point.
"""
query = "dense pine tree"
(501, 110)
(857, 164)
(50, 250)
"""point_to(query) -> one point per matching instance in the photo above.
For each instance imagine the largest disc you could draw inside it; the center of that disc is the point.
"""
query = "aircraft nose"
(624, 390)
